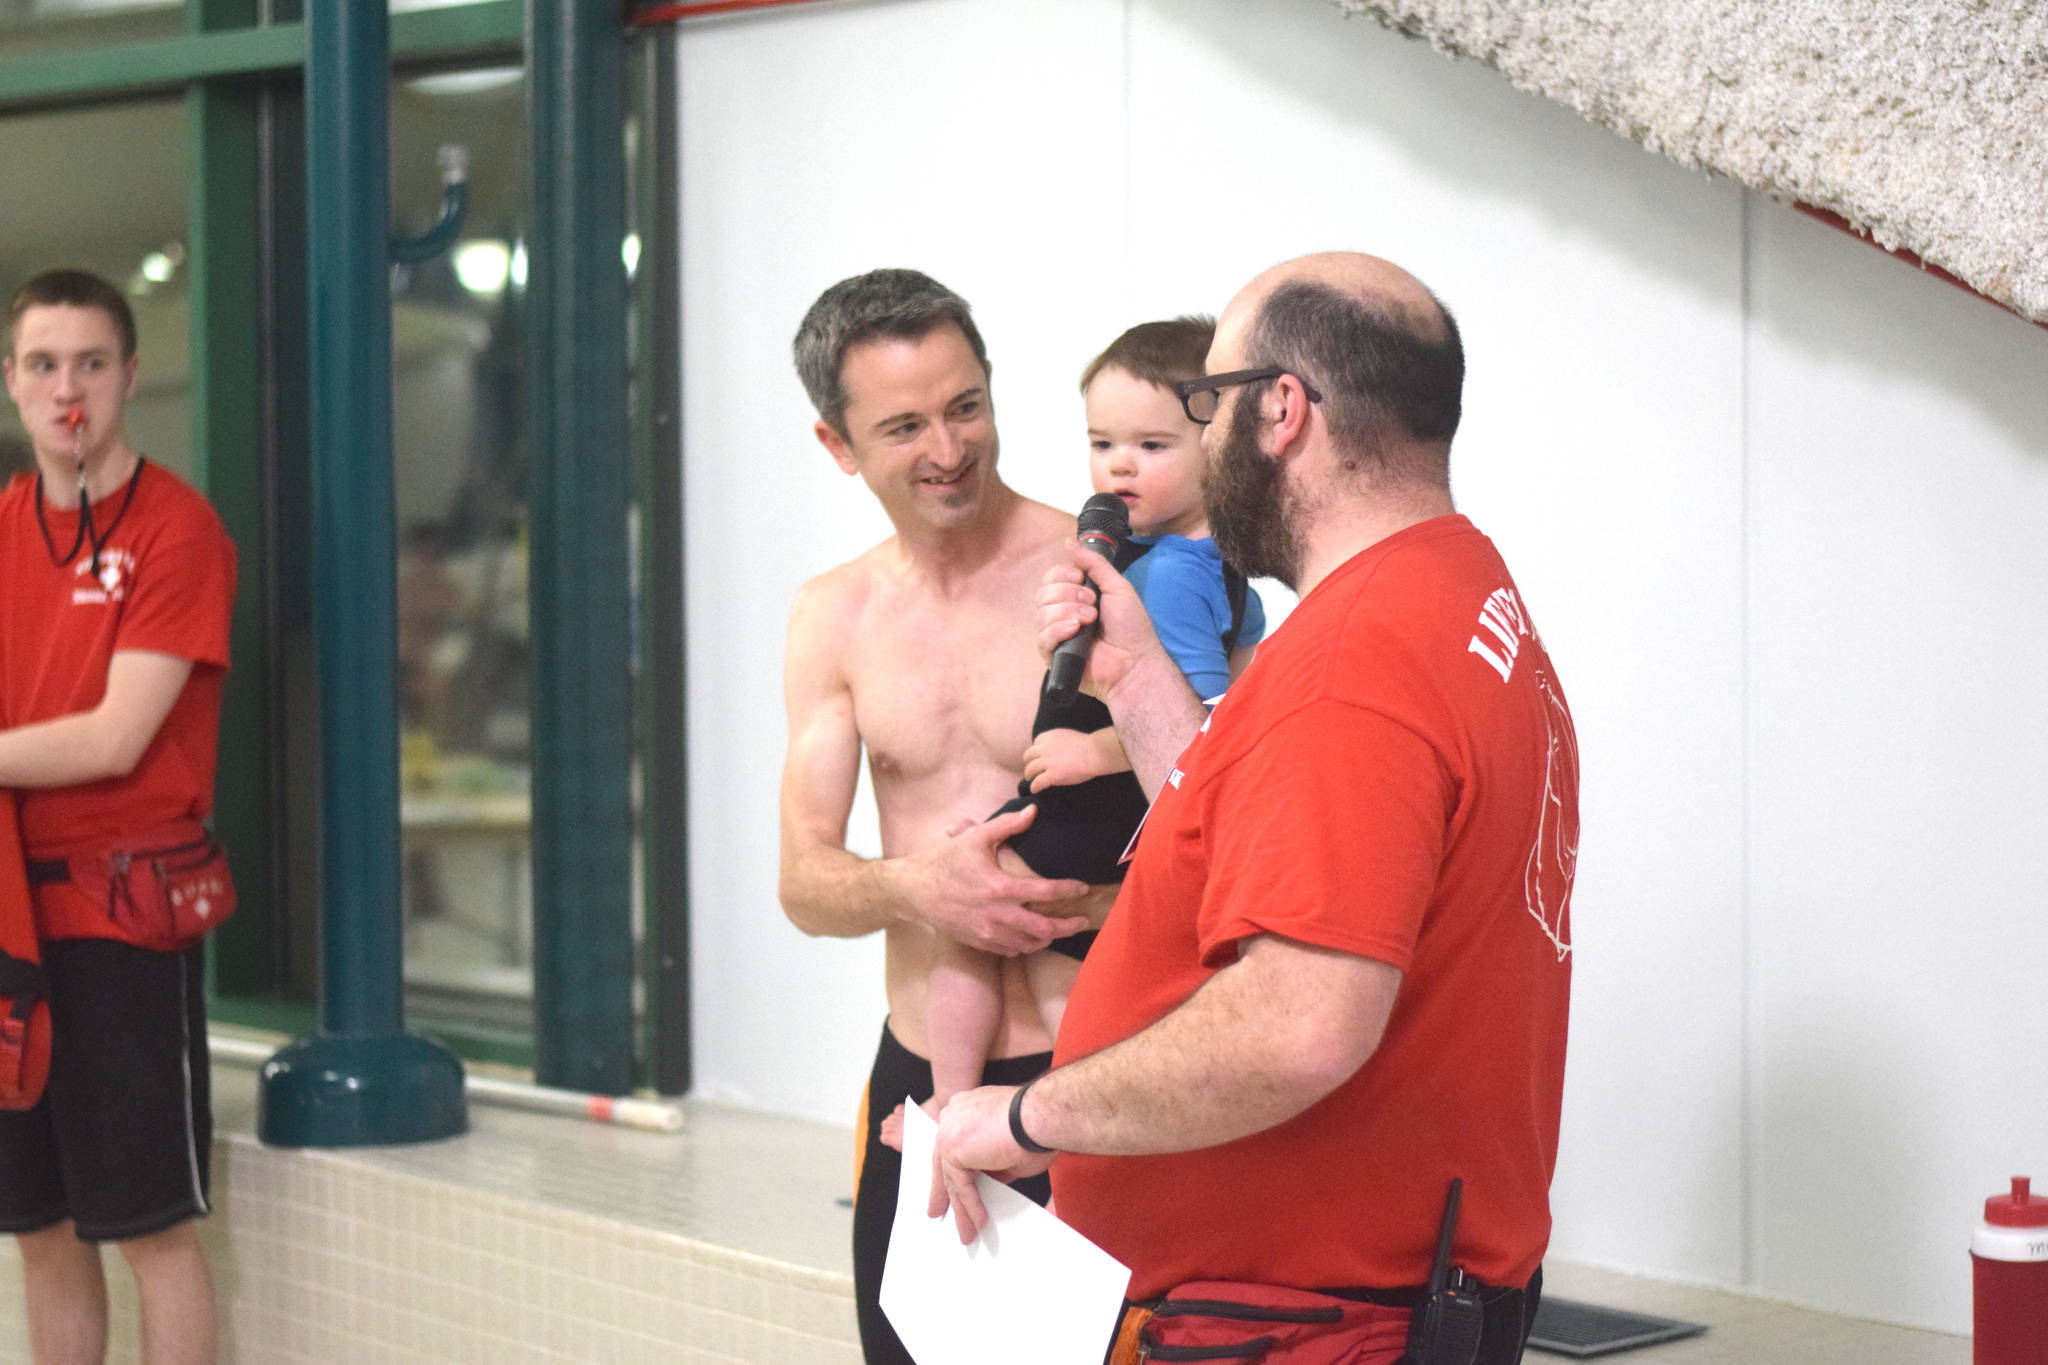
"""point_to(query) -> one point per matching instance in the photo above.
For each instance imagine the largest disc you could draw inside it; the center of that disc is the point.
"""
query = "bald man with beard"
(1338, 973)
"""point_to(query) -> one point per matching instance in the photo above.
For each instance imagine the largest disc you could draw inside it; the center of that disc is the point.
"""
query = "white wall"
(1777, 502)
(1897, 856)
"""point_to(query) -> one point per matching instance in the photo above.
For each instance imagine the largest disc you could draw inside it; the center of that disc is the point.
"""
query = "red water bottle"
(2009, 1264)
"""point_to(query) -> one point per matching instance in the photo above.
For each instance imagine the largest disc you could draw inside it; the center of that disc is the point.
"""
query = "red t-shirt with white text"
(166, 585)
(1395, 776)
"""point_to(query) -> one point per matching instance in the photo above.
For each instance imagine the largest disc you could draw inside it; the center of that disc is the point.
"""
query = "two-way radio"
(1444, 1328)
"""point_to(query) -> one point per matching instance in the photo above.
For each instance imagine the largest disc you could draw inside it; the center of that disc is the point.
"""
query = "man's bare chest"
(941, 692)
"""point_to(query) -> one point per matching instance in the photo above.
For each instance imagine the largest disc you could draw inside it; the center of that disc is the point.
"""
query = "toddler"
(1143, 449)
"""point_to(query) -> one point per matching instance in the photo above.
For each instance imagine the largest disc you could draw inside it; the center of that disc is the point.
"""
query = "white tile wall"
(548, 1241)
(527, 1240)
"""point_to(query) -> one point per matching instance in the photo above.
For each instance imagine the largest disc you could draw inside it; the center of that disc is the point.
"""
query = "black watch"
(1017, 1119)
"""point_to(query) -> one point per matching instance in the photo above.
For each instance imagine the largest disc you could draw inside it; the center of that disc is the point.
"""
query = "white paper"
(1028, 1291)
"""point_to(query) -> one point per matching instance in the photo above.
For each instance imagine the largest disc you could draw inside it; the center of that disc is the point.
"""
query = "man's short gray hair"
(900, 304)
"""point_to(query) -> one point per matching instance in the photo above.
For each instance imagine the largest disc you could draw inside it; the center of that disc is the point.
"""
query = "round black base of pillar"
(360, 1091)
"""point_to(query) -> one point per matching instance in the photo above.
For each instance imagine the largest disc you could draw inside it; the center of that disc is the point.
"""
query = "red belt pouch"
(1225, 1320)
(24, 993)
(163, 890)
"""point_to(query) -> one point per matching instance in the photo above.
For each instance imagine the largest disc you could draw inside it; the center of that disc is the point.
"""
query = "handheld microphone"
(1103, 524)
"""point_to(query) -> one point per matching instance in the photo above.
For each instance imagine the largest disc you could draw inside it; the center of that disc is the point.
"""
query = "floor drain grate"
(1582, 1330)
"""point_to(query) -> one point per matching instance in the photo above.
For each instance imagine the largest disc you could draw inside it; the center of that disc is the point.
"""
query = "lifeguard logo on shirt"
(1554, 860)
(111, 584)
(1502, 624)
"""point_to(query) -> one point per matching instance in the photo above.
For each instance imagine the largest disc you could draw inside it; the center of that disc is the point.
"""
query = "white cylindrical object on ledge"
(657, 1116)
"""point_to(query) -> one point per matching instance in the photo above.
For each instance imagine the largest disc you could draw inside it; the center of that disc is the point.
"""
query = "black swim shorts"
(120, 1142)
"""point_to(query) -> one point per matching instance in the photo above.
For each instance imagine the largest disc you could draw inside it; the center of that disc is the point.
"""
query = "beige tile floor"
(773, 1187)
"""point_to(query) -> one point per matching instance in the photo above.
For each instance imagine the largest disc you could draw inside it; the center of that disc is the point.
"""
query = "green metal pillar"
(662, 670)
(580, 566)
(362, 1080)
(221, 121)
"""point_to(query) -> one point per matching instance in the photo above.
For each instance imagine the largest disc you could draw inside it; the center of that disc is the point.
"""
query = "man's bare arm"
(1265, 1038)
(825, 890)
(955, 887)
(105, 742)
(1157, 716)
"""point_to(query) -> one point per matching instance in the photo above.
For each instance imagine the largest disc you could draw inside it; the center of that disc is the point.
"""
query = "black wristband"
(1017, 1119)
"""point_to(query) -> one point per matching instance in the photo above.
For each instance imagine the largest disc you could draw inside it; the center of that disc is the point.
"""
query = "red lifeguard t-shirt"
(166, 584)
(1395, 776)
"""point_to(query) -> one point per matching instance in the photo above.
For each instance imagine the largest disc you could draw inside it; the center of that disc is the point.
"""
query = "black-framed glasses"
(1199, 398)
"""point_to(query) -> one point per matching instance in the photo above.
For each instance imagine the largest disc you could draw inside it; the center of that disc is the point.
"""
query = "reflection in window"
(463, 640)
(46, 25)
(32, 11)
(58, 168)
(33, 25)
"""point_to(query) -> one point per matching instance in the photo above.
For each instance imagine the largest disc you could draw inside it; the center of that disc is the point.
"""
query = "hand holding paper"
(1029, 1289)
(976, 1137)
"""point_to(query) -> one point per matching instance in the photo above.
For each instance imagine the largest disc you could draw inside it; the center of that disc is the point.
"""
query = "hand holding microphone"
(1103, 525)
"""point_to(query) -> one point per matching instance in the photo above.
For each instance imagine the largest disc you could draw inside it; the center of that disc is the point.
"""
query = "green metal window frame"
(579, 579)
(583, 979)
(225, 42)
(662, 665)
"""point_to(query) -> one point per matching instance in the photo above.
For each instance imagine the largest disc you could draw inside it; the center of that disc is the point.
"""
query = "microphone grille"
(1105, 514)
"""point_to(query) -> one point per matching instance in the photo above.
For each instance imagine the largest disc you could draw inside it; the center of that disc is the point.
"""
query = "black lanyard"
(87, 533)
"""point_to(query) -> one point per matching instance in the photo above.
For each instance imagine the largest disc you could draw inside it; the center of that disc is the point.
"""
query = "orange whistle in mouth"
(74, 418)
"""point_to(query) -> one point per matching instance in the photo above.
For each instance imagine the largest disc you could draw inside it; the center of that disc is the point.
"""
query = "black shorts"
(119, 1143)
(900, 1074)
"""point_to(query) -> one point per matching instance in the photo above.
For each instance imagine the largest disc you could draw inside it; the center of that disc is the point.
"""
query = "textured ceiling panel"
(1924, 124)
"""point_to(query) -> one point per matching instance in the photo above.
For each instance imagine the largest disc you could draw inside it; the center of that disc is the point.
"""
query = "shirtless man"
(923, 651)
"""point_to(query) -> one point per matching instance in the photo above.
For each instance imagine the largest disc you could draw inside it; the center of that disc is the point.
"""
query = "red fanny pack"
(24, 993)
(163, 890)
(1226, 1320)
(24, 1032)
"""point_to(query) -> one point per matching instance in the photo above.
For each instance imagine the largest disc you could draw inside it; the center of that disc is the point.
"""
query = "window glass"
(292, 11)
(464, 642)
(33, 11)
(62, 170)
(44, 25)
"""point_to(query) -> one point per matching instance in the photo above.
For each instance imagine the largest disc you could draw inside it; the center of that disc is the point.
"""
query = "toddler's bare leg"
(1051, 976)
(966, 1010)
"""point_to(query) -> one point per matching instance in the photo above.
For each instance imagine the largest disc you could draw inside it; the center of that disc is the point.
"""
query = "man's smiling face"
(920, 427)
